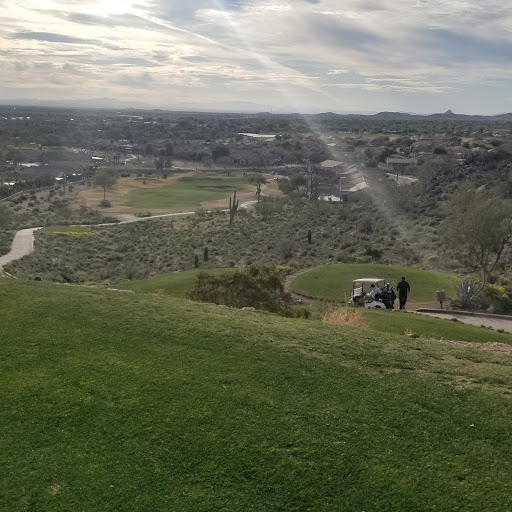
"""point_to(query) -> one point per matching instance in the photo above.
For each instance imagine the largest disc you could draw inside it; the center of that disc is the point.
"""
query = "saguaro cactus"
(233, 208)
(196, 261)
(309, 237)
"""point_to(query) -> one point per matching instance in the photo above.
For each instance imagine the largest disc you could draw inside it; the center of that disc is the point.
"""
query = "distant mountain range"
(244, 107)
(448, 115)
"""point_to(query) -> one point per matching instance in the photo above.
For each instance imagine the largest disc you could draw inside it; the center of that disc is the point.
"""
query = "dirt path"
(22, 245)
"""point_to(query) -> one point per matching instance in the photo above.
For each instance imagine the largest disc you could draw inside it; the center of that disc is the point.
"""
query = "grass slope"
(334, 282)
(400, 323)
(122, 402)
(189, 191)
(177, 284)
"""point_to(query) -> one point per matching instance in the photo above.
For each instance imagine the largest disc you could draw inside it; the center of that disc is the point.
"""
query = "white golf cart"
(360, 289)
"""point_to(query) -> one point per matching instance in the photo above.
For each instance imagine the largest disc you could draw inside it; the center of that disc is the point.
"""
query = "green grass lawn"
(177, 284)
(399, 323)
(334, 282)
(123, 402)
(189, 191)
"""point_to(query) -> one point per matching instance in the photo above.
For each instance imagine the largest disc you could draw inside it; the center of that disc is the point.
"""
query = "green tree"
(298, 180)
(478, 227)
(258, 180)
(159, 164)
(106, 178)
(220, 151)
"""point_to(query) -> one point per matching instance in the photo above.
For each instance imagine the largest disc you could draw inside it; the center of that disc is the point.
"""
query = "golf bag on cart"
(388, 297)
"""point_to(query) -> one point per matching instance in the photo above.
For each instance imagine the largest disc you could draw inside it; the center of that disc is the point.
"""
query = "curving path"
(23, 243)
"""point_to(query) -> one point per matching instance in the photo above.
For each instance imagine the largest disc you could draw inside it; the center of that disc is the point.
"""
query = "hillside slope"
(120, 402)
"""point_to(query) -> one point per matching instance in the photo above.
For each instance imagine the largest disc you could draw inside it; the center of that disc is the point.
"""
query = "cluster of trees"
(478, 228)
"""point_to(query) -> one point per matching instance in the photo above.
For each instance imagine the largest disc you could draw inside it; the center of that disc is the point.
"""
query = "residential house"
(399, 165)
(331, 165)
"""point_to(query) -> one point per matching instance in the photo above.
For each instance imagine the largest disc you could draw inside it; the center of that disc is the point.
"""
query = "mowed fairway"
(334, 282)
(123, 402)
(188, 191)
(176, 284)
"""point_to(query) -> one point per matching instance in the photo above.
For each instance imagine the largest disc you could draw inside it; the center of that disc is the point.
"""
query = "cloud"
(446, 47)
(49, 37)
(298, 53)
(337, 71)
(139, 80)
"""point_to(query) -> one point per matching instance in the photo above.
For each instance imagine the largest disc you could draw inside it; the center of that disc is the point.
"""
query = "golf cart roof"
(368, 280)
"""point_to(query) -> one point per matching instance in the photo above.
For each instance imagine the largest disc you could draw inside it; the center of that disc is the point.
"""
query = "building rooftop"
(329, 164)
(401, 161)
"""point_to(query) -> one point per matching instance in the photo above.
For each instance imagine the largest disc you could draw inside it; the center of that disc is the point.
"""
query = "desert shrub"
(258, 286)
(286, 248)
(268, 207)
(500, 298)
(468, 294)
(301, 313)
(366, 225)
(347, 317)
(373, 252)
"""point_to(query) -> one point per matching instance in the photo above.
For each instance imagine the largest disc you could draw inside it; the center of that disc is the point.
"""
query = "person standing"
(403, 289)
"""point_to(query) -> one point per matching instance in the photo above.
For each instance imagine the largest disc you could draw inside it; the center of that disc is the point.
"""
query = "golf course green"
(188, 191)
(334, 282)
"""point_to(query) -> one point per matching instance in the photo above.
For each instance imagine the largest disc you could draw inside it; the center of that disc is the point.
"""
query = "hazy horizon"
(303, 56)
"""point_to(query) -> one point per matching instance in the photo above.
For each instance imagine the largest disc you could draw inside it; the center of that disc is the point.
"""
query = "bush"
(468, 294)
(286, 248)
(500, 298)
(260, 287)
(346, 317)
(268, 207)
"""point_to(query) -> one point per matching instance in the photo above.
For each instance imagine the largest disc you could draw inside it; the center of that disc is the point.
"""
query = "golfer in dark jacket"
(403, 289)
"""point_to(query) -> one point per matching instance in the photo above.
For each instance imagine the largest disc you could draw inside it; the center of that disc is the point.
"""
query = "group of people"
(403, 288)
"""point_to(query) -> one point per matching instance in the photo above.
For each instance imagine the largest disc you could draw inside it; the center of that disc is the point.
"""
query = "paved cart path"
(478, 321)
(23, 243)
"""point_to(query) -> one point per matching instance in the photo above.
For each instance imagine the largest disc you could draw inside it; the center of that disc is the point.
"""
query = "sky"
(420, 56)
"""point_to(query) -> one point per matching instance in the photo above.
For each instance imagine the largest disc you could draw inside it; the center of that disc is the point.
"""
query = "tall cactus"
(233, 207)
